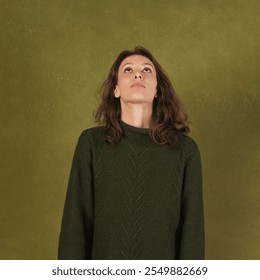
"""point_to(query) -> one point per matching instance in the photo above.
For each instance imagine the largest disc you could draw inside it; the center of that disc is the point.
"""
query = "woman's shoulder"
(95, 131)
(188, 145)
(187, 140)
(93, 135)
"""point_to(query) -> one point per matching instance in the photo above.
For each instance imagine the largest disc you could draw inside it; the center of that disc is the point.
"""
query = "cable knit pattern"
(135, 200)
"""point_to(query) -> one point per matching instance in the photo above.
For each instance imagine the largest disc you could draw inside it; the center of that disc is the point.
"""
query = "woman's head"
(168, 116)
(136, 82)
(112, 79)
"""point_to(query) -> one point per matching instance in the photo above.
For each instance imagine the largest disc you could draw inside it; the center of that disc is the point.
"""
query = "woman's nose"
(138, 76)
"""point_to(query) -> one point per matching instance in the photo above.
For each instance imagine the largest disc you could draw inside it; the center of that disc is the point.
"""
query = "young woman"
(135, 188)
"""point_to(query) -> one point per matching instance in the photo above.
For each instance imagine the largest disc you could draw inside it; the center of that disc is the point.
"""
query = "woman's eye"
(128, 70)
(147, 70)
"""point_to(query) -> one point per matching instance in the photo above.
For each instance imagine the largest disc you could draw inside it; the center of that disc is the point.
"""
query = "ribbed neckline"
(137, 130)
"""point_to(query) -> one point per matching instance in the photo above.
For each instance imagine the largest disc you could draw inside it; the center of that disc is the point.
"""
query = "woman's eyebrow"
(148, 64)
(127, 64)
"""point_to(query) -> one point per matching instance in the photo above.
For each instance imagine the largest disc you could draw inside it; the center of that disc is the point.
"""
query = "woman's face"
(137, 80)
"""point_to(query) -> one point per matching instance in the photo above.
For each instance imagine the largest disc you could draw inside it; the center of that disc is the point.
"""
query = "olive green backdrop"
(54, 55)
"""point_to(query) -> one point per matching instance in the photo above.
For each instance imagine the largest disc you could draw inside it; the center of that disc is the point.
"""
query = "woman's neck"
(138, 115)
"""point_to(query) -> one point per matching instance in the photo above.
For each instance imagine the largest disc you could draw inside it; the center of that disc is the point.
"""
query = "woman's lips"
(137, 85)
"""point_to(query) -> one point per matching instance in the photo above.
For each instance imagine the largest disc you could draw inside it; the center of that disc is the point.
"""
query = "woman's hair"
(168, 116)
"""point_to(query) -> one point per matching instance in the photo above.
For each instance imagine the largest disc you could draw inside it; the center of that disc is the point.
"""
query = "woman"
(135, 188)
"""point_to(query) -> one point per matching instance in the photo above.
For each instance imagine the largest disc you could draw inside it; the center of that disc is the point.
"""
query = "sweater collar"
(135, 133)
(134, 129)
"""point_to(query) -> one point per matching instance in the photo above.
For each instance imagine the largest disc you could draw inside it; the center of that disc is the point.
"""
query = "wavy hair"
(168, 116)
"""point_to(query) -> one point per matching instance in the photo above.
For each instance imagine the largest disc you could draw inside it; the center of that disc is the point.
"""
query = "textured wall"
(54, 56)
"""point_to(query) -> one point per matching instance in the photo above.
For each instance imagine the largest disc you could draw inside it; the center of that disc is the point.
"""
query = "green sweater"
(136, 200)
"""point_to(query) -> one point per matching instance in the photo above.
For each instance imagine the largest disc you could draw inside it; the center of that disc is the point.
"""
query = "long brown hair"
(168, 116)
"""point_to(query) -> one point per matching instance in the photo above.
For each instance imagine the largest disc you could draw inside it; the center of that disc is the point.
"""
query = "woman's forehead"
(136, 59)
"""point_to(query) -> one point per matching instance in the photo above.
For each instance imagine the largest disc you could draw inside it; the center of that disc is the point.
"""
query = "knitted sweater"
(135, 200)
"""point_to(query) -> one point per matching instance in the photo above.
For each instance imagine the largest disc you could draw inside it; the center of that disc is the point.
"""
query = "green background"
(54, 55)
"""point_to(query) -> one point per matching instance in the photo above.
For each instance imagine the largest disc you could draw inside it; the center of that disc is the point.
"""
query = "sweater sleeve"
(76, 233)
(192, 240)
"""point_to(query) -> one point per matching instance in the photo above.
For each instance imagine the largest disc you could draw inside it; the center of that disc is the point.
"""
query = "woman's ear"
(117, 92)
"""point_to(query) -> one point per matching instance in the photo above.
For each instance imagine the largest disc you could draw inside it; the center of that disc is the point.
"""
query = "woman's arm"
(192, 239)
(76, 234)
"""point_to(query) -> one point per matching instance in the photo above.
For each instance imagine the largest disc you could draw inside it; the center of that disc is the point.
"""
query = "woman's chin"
(138, 98)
